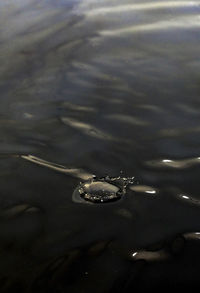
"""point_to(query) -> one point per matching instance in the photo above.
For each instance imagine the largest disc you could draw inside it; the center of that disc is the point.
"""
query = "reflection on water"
(105, 88)
(86, 128)
(59, 168)
(185, 163)
(144, 188)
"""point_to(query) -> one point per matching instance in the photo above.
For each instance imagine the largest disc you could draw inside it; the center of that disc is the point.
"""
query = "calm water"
(103, 87)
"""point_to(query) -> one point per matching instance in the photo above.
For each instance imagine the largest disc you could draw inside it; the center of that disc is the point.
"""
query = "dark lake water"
(104, 88)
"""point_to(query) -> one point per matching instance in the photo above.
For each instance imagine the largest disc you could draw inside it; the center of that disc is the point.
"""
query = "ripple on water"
(176, 164)
(144, 189)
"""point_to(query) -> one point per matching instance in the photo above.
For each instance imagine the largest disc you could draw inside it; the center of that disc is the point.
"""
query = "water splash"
(102, 190)
(93, 189)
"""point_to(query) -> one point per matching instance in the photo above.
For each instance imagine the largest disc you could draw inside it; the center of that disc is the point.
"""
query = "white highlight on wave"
(79, 173)
(150, 256)
(190, 199)
(141, 6)
(86, 128)
(192, 235)
(177, 164)
(144, 189)
(182, 22)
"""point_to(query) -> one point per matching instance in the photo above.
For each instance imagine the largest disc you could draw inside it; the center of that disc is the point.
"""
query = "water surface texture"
(104, 88)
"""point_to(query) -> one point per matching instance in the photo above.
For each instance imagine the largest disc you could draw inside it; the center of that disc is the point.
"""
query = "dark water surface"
(110, 88)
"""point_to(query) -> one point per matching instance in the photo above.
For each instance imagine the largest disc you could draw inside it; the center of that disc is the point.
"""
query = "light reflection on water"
(179, 164)
(96, 87)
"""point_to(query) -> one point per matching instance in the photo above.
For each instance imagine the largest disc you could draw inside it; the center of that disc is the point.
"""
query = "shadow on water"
(108, 89)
